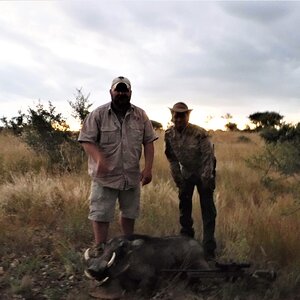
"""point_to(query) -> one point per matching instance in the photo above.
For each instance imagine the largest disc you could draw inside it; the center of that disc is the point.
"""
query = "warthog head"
(113, 261)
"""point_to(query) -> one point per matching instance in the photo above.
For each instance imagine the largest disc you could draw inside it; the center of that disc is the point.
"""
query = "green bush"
(280, 161)
(48, 134)
(283, 149)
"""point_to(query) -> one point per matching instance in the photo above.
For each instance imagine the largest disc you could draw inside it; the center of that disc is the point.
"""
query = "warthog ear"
(122, 243)
(124, 247)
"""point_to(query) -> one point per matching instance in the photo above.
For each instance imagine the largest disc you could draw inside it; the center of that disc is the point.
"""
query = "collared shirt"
(121, 144)
(189, 153)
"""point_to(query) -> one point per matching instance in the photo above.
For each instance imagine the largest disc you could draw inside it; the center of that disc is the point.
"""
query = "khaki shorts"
(103, 202)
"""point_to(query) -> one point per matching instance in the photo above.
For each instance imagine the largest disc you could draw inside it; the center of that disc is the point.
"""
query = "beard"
(121, 102)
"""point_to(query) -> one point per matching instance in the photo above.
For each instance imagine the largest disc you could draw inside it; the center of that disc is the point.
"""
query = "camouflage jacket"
(190, 153)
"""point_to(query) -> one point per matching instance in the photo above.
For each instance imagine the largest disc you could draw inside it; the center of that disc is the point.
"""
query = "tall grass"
(47, 213)
(16, 158)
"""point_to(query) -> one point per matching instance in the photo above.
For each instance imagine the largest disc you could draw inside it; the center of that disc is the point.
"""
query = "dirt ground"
(51, 280)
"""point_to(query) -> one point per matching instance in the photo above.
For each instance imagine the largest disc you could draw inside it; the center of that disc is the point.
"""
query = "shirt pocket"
(136, 134)
(109, 136)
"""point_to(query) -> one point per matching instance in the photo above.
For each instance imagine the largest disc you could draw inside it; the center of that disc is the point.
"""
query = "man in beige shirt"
(113, 135)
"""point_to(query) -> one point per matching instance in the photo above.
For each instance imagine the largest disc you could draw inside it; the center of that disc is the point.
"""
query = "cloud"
(225, 56)
(259, 11)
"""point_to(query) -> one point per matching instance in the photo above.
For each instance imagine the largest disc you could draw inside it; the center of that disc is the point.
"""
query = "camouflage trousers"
(208, 211)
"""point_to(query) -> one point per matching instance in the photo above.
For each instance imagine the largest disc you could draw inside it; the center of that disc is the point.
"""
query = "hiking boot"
(94, 252)
(209, 255)
(187, 232)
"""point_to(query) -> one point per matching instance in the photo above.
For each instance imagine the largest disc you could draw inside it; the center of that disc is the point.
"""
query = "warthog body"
(138, 261)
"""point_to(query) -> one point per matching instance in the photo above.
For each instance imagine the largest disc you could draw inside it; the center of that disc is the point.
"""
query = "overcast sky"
(218, 57)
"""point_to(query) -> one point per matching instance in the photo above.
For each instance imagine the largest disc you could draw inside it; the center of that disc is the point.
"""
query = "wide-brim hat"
(180, 107)
(121, 79)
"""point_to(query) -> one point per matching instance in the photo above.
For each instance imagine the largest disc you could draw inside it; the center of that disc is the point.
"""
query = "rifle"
(227, 271)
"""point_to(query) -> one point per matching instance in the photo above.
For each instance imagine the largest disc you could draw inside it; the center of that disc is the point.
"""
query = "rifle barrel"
(213, 273)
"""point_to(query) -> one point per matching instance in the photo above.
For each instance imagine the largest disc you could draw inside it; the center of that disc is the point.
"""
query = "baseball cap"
(180, 107)
(121, 79)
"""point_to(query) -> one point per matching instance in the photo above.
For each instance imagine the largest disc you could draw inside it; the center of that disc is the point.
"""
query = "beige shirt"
(121, 144)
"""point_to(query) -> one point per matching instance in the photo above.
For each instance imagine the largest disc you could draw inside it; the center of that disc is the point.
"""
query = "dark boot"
(187, 232)
(209, 255)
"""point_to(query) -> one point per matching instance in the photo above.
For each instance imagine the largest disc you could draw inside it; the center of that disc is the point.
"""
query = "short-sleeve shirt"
(120, 144)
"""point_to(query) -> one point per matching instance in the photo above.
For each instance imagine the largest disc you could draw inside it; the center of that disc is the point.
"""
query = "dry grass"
(16, 158)
(49, 213)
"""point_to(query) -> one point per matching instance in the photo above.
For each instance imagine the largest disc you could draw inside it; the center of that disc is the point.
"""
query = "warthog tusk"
(88, 275)
(103, 280)
(111, 260)
(86, 254)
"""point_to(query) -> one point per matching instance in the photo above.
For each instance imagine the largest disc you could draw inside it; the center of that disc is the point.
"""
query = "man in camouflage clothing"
(192, 163)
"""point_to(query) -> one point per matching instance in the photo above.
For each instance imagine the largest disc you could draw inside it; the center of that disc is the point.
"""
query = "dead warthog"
(137, 262)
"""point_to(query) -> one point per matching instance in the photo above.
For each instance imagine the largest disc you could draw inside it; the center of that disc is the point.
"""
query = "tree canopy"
(156, 125)
(265, 119)
(80, 106)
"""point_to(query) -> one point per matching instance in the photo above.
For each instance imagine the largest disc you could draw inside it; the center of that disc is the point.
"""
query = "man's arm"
(174, 164)
(146, 175)
(207, 163)
(94, 152)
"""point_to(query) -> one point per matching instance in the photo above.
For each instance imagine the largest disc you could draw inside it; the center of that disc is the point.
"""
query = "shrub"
(280, 161)
(243, 139)
(283, 149)
(48, 134)
(231, 126)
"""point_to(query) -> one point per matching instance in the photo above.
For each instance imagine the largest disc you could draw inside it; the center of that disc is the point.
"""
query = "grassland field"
(44, 226)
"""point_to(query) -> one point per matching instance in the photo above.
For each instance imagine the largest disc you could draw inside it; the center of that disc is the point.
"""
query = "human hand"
(146, 176)
(102, 168)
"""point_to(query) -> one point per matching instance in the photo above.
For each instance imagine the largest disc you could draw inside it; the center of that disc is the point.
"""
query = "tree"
(231, 126)
(80, 106)
(286, 133)
(282, 151)
(15, 124)
(227, 116)
(45, 132)
(265, 119)
(156, 125)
